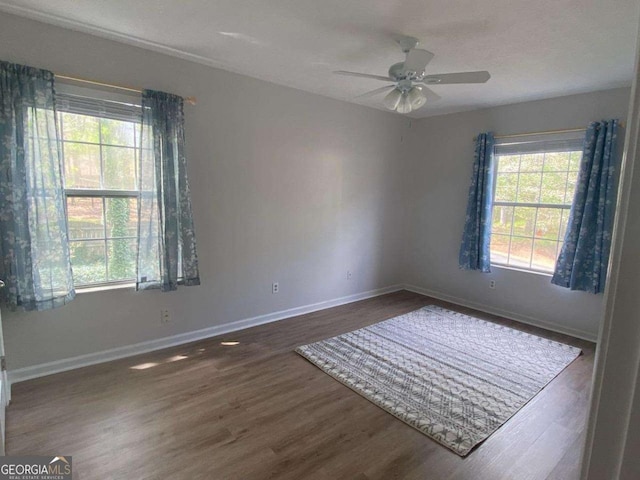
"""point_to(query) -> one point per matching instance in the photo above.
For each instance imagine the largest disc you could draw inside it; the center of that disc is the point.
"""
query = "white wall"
(297, 188)
(438, 181)
(286, 186)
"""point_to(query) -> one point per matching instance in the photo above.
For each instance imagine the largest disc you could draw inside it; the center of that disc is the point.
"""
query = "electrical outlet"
(165, 316)
(492, 284)
(349, 274)
(275, 288)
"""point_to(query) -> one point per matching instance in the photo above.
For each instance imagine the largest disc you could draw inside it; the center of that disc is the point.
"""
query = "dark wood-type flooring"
(257, 410)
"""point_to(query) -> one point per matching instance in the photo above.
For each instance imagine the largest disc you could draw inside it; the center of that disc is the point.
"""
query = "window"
(100, 151)
(535, 183)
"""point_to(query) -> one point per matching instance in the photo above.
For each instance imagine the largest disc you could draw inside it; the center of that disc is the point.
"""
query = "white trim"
(102, 288)
(126, 39)
(57, 366)
(521, 270)
(536, 322)
(605, 446)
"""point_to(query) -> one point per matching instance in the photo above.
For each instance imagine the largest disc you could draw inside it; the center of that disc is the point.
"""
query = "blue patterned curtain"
(584, 257)
(34, 250)
(167, 243)
(474, 251)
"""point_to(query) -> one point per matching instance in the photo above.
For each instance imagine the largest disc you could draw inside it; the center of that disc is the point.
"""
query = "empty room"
(319, 240)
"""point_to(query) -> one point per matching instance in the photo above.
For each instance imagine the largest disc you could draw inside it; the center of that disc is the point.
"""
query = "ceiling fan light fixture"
(405, 104)
(392, 99)
(416, 97)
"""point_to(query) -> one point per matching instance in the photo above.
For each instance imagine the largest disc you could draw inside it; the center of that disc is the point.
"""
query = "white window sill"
(522, 270)
(101, 288)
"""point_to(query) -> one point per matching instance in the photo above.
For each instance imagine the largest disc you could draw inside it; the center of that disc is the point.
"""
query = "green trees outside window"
(100, 167)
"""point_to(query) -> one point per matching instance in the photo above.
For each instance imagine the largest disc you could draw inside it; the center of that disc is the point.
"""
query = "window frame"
(572, 139)
(93, 99)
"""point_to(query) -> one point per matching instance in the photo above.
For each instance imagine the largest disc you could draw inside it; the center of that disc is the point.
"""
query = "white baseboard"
(536, 322)
(49, 368)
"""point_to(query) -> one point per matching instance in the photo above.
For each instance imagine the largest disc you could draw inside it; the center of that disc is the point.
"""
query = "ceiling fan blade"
(363, 75)
(377, 91)
(462, 77)
(430, 94)
(417, 60)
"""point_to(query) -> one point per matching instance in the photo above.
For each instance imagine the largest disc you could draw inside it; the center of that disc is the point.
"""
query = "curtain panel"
(584, 257)
(166, 237)
(34, 249)
(476, 237)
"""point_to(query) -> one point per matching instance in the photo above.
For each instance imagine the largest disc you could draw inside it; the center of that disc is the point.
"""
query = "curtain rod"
(547, 132)
(189, 100)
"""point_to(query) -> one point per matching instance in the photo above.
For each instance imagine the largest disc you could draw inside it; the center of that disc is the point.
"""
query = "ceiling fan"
(409, 90)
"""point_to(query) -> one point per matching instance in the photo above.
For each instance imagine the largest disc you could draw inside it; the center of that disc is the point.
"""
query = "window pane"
(116, 132)
(531, 162)
(81, 165)
(122, 259)
(148, 251)
(508, 163)
(548, 223)
(122, 215)
(556, 161)
(524, 219)
(101, 153)
(502, 218)
(554, 185)
(119, 168)
(530, 237)
(500, 248)
(574, 161)
(544, 255)
(506, 185)
(529, 187)
(85, 219)
(88, 262)
(520, 252)
(564, 222)
(80, 128)
(572, 181)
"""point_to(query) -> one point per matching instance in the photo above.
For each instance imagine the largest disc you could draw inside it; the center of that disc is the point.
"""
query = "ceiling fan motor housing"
(404, 85)
(397, 72)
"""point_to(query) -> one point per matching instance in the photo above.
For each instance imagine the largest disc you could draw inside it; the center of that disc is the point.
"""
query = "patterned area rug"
(453, 377)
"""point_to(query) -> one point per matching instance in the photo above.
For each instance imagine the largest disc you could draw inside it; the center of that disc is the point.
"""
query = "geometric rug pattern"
(451, 376)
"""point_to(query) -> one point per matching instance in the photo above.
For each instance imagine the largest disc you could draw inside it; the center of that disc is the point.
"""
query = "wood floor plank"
(569, 466)
(258, 410)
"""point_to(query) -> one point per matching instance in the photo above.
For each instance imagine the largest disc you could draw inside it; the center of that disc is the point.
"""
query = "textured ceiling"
(533, 49)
